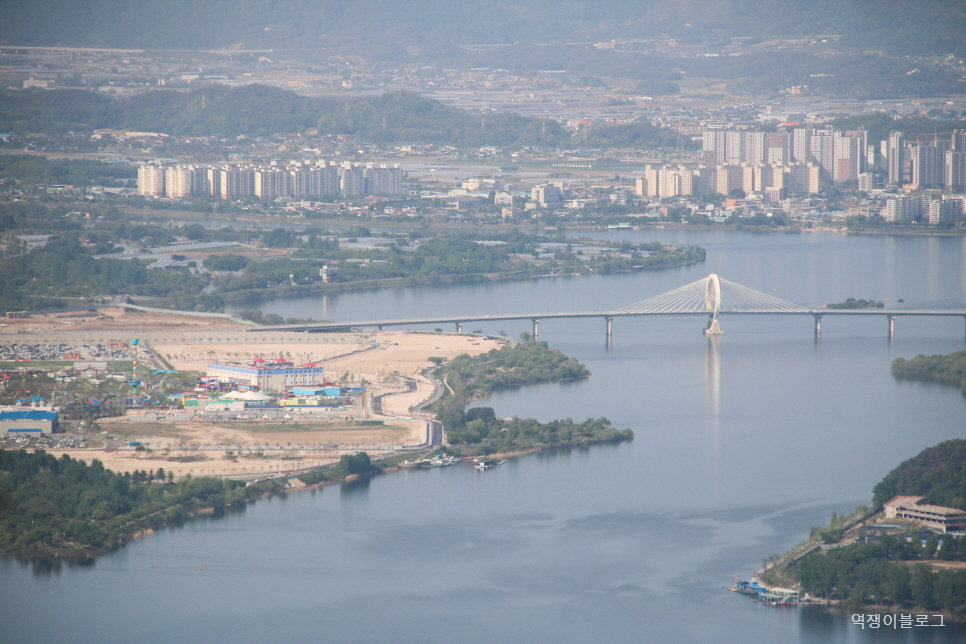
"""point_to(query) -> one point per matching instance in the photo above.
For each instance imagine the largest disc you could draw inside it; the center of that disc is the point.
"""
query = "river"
(742, 443)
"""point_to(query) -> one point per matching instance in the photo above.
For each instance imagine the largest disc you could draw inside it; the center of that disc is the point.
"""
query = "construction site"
(206, 396)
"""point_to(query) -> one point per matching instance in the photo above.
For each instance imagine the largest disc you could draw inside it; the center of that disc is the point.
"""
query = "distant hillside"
(936, 473)
(258, 110)
(898, 27)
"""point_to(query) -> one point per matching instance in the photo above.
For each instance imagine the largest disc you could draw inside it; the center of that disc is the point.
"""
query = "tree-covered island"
(852, 303)
(478, 431)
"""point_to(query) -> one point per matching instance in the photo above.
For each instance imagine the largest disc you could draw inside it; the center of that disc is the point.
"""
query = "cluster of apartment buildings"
(936, 164)
(934, 209)
(775, 164)
(778, 165)
(269, 182)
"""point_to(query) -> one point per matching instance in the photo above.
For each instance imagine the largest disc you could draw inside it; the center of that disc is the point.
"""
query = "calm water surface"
(742, 443)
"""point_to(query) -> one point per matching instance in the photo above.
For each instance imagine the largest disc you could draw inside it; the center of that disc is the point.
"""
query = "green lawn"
(46, 365)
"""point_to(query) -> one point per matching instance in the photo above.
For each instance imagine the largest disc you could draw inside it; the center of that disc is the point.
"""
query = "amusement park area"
(216, 400)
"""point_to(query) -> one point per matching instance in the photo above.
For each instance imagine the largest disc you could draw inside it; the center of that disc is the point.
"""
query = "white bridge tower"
(712, 298)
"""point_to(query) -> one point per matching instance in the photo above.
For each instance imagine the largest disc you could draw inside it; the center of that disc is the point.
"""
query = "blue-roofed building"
(28, 421)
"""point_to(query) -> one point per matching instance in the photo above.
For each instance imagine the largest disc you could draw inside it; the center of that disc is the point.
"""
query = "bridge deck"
(460, 319)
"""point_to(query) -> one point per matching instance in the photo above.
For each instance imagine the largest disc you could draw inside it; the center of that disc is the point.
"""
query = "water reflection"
(52, 567)
(355, 489)
(822, 624)
(712, 377)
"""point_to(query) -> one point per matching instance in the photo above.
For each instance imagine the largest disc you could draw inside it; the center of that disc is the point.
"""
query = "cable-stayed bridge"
(711, 297)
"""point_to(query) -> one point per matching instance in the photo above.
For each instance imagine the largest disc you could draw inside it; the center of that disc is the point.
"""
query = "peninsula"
(902, 556)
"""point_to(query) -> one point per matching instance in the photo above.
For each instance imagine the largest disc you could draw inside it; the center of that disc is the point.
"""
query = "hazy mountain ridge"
(258, 110)
(438, 27)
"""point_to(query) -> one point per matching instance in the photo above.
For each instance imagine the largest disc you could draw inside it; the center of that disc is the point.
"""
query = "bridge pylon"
(712, 297)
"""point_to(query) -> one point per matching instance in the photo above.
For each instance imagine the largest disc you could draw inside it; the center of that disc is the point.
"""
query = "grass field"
(113, 366)
(46, 365)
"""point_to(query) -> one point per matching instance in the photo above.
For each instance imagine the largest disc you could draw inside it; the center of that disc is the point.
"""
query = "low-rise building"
(934, 516)
(27, 422)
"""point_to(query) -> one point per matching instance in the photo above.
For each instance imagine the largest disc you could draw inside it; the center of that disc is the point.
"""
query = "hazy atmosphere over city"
(424, 321)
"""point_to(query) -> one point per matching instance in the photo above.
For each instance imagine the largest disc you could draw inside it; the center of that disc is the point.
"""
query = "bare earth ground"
(189, 343)
(259, 448)
(112, 319)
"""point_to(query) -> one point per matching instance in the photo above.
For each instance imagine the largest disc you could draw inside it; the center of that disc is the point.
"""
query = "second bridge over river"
(710, 297)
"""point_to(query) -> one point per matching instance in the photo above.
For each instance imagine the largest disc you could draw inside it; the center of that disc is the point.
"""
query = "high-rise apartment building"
(801, 145)
(895, 158)
(847, 155)
(803, 178)
(928, 164)
(352, 180)
(715, 147)
(943, 210)
(151, 180)
(384, 181)
(272, 183)
(906, 208)
(955, 171)
(777, 147)
(237, 183)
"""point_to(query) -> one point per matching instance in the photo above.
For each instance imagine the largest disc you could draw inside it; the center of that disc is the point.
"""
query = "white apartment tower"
(151, 180)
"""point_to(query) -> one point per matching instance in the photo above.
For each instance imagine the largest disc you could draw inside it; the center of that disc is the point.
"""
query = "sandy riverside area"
(189, 343)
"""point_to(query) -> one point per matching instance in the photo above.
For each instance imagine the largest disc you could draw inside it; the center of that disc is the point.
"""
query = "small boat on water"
(774, 596)
(487, 464)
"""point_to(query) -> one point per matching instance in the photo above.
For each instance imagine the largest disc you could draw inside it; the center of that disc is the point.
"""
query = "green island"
(852, 303)
(81, 261)
(478, 431)
(889, 560)
(950, 368)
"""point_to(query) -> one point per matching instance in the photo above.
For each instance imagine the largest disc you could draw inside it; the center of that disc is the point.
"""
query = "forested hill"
(64, 507)
(400, 29)
(937, 473)
(258, 110)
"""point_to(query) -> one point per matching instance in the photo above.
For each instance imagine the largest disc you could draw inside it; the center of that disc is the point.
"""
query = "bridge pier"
(609, 321)
(536, 330)
(459, 327)
(713, 327)
(892, 327)
(818, 326)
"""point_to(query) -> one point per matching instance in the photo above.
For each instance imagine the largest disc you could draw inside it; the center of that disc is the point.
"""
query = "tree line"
(64, 268)
(65, 507)
(937, 473)
(887, 573)
(949, 368)
(479, 430)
